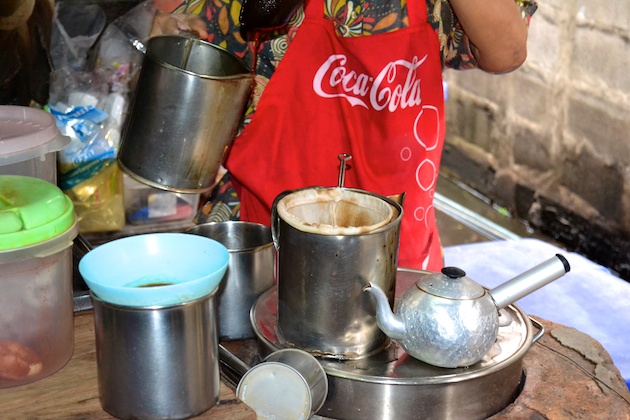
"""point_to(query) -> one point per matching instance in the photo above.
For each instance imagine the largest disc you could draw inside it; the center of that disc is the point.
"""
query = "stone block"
(471, 121)
(489, 87)
(504, 192)
(531, 148)
(544, 42)
(534, 99)
(555, 5)
(605, 13)
(599, 183)
(473, 168)
(552, 138)
(603, 126)
(600, 55)
(524, 198)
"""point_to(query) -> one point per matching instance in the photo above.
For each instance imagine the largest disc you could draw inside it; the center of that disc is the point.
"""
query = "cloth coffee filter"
(334, 211)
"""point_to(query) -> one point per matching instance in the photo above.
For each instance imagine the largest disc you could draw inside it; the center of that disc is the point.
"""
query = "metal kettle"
(448, 320)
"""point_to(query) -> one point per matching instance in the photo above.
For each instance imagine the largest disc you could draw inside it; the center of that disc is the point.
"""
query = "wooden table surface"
(72, 392)
(561, 383)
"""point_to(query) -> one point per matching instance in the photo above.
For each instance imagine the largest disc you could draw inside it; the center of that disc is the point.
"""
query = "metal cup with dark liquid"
(157, 362)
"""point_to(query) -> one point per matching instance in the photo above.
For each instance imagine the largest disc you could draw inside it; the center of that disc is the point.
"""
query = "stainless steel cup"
(288, 384)
(185, 111)
(321, 305)
(157, 362)
(250, 272)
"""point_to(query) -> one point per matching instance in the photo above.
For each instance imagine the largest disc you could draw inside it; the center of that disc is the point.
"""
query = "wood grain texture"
(72, 392)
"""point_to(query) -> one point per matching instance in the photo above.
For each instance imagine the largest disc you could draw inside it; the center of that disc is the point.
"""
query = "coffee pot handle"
(343, 159)
(275, 220)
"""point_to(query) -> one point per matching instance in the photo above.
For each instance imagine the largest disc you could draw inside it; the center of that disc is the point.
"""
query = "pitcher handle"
(343, 159)
(398, 198)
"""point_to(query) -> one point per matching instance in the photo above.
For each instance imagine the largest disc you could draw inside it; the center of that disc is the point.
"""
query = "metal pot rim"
(356, 369)
(396, 206)
(246, 72)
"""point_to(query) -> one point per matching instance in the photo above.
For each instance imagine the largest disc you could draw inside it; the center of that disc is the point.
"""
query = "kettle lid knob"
(451, 283)
(453, 272)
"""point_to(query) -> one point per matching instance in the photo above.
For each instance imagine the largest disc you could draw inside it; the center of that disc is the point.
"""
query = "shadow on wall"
(577, 234)
(561, 224)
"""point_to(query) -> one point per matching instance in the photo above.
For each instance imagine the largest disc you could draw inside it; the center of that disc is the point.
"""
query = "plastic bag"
(119, 56)
(98, 201)
(119, 52)
(88, 171)
(88, 148)
(76, 27)
(94, 67)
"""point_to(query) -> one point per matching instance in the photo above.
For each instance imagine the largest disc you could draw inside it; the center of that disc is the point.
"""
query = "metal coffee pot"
(331, 242)
(448, 320)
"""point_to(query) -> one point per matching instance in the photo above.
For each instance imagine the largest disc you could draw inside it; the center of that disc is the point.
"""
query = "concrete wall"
(551, 141)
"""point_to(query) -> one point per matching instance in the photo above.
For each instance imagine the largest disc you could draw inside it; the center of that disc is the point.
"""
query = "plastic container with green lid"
(32, 212)
(37, 229)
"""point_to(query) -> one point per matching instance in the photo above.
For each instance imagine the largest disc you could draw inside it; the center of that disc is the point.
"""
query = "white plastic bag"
(76, 27)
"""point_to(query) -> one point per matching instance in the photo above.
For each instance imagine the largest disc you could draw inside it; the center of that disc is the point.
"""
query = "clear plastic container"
(145, 204)
(37, 229)
(29, 140)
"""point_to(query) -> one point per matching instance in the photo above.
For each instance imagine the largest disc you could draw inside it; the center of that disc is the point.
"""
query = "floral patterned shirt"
(351, 18)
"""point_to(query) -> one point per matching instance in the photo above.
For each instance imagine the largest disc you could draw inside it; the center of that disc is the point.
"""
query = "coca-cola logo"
(390, 89)
(397, 86)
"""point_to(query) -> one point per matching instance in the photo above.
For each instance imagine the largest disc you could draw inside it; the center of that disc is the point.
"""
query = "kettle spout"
(390, 323)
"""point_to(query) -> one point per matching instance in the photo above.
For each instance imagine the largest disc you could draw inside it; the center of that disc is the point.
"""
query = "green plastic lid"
(32, 211)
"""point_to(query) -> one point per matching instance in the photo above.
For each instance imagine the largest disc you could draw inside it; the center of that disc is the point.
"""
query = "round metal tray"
(391, 384)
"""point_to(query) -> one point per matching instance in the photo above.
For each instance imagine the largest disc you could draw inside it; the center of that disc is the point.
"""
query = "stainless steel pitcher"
(157, 362)
(322, 271)
(185, 112)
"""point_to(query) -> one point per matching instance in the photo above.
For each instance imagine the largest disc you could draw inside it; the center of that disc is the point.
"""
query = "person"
(363, 78)
(25, 32)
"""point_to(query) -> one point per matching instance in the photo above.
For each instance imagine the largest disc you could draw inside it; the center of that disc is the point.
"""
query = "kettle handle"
(529, 281)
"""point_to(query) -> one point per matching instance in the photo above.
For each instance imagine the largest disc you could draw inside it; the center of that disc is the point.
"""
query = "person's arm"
(496, 31)
(173, 24)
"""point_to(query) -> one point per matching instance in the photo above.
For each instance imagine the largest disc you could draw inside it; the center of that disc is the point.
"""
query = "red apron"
(377, 97)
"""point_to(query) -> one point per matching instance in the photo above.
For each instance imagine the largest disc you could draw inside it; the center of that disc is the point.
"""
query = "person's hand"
(176, 23)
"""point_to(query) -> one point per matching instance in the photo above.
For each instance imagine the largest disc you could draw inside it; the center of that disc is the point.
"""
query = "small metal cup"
(288, 384)
(157, 362)
(250, 272)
